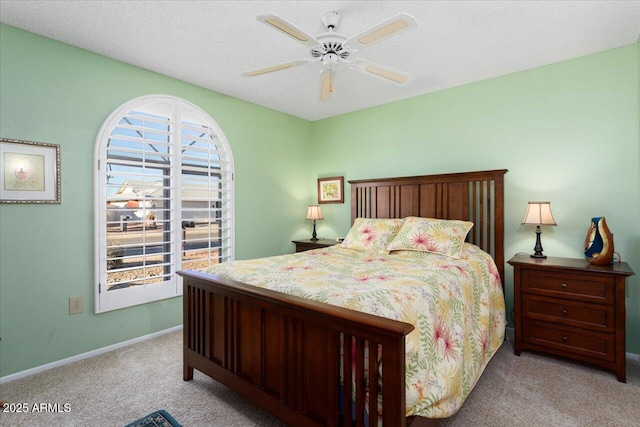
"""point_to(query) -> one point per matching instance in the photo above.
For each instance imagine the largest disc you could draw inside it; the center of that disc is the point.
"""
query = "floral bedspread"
(456, 306)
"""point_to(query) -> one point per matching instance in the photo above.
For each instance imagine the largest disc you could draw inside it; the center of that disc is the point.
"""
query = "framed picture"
(29, 172)
(330, 190)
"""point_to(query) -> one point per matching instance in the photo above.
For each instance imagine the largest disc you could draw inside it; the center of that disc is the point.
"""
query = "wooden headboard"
(469, 196)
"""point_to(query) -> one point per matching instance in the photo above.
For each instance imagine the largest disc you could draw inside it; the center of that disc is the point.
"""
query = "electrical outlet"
(76, 305)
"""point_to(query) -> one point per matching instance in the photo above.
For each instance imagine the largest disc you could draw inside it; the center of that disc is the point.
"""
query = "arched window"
(163, 199)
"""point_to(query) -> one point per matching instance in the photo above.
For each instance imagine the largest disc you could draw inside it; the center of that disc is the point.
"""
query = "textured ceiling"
(210, 43)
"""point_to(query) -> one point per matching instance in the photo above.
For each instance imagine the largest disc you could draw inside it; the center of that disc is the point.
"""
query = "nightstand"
(570, 308)
(308, 244)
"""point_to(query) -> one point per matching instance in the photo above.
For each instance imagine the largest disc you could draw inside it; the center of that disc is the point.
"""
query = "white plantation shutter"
(206, 202)
(164, 200)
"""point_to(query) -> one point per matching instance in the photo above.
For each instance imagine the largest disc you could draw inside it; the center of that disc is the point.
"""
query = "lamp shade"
(539, 213)
(314, 212)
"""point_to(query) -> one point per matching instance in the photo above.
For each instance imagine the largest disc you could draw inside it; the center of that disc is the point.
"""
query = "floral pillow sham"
(440, 236)
(372, 234)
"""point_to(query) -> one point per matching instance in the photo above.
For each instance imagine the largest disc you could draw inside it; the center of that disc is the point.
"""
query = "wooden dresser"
(308, 244)
(568, 307)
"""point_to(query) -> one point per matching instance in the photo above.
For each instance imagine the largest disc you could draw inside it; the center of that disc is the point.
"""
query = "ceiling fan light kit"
(331, 49)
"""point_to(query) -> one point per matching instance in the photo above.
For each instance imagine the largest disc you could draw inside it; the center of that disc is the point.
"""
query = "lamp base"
(538, 248)
(314, 236)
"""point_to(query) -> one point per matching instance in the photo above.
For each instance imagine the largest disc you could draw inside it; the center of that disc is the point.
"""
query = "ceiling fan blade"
(381, 71)
(280, 24)
(326, 84)
(273, 68)
(391, 27)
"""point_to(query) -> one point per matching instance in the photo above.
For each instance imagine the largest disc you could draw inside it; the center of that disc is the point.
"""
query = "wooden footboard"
(282, 353)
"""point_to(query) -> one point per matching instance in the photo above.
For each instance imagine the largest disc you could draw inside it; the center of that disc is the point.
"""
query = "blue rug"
(159, 418)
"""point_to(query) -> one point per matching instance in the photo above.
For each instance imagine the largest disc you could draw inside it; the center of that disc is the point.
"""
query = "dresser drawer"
(581, 287)
(569, 340)
(597, 317)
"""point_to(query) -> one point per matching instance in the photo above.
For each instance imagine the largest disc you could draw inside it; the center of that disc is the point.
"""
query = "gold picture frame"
(29, 172)
(331, 190)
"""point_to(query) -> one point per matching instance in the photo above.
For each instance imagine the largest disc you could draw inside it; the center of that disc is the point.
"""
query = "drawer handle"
(563, 286)
(564, 312)
(565, 339)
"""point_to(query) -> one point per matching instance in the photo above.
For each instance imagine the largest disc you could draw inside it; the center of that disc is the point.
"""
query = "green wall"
(51, 92)
(567, 132)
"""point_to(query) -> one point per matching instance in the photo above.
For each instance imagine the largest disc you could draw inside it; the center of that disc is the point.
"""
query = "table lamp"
(538, 213)
(315, 213)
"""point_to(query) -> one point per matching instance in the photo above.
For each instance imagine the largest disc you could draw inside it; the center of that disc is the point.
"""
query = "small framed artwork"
(29, 172)
(330, 190)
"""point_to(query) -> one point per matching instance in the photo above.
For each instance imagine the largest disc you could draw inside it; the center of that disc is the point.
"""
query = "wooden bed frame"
(281, 352)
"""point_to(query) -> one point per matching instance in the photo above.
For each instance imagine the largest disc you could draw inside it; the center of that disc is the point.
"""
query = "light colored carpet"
(536, 390)
(121, 386)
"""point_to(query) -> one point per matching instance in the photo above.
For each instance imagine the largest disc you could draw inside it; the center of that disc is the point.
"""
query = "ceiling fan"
(331, 49)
